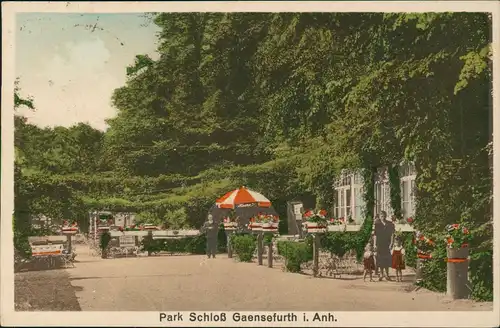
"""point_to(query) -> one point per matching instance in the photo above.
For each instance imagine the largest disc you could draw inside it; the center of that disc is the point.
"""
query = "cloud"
(74, 86)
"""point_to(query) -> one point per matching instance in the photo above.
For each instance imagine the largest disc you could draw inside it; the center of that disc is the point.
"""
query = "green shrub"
(189, 245)
(362, 237)
(481, 275)
(410, 249)
(221, 240)
(104, 240)
(267, 238)
(295, 253)
(244, 247)
(337, 243)
(434, 270)
(21, 243)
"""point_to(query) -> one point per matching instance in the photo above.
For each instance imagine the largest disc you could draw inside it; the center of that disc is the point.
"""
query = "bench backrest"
(46, 250)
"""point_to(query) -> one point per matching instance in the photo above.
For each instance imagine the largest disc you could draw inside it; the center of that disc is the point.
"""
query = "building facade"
(349, 190)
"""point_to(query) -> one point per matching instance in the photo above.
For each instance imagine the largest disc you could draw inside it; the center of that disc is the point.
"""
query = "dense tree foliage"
(282, 102)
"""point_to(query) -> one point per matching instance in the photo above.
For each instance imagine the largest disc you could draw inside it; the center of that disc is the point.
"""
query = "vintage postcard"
(250, 164)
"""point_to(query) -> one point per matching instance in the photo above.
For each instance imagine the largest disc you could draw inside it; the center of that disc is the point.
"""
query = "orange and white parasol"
(241, 198)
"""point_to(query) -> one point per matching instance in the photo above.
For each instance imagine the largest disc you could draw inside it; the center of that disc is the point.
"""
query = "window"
(349, 197)
(382, 193)
(343, 208)
(348, 202)
(408, 175)
(359, 202)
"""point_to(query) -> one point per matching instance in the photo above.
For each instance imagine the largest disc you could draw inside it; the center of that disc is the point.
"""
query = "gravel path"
(182, 283)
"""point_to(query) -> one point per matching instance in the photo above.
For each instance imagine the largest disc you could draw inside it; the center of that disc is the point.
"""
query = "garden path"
(188, 282)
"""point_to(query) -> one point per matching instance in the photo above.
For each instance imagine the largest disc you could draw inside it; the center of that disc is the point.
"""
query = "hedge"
(295, 254)
(191, 245)
(244, 246)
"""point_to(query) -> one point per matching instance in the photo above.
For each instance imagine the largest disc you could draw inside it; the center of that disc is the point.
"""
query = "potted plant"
(315, 222)
(457, 240)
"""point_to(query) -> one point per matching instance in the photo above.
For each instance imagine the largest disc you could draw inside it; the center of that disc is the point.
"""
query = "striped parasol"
(242, 198)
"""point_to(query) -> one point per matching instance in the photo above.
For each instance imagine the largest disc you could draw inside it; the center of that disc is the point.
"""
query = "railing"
(357, 227)
(157, 234)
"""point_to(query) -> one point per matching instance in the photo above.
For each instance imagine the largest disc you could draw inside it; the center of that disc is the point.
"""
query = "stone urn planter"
(457, 272)
(457, 253)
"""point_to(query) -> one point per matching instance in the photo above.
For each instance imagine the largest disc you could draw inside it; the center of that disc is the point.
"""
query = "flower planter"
(230, 226)
(423, 255)
(69, 231)
(404, 227)
(352, 227)
(314, 227)
(457, 253)
(255, 226)
(269, 227)
(337, 227)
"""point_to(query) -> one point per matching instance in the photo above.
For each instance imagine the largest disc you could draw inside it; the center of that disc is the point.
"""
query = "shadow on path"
(131, 276)
(45, 291)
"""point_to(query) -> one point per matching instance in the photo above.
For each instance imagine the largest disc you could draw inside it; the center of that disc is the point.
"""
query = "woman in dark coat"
(384, 232)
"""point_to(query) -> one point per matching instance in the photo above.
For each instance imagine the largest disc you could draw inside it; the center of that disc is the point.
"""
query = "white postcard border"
(345, 319)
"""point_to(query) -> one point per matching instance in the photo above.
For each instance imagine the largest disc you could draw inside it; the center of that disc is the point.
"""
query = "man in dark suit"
(211, 230)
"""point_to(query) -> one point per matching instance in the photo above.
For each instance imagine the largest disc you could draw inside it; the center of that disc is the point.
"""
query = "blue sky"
(71, 70)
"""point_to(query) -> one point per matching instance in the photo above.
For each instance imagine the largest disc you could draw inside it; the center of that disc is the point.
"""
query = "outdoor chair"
(114, 251)
(68, 260)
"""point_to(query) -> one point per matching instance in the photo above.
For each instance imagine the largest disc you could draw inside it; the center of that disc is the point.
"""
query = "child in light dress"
(368, 262)
(398, 260)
